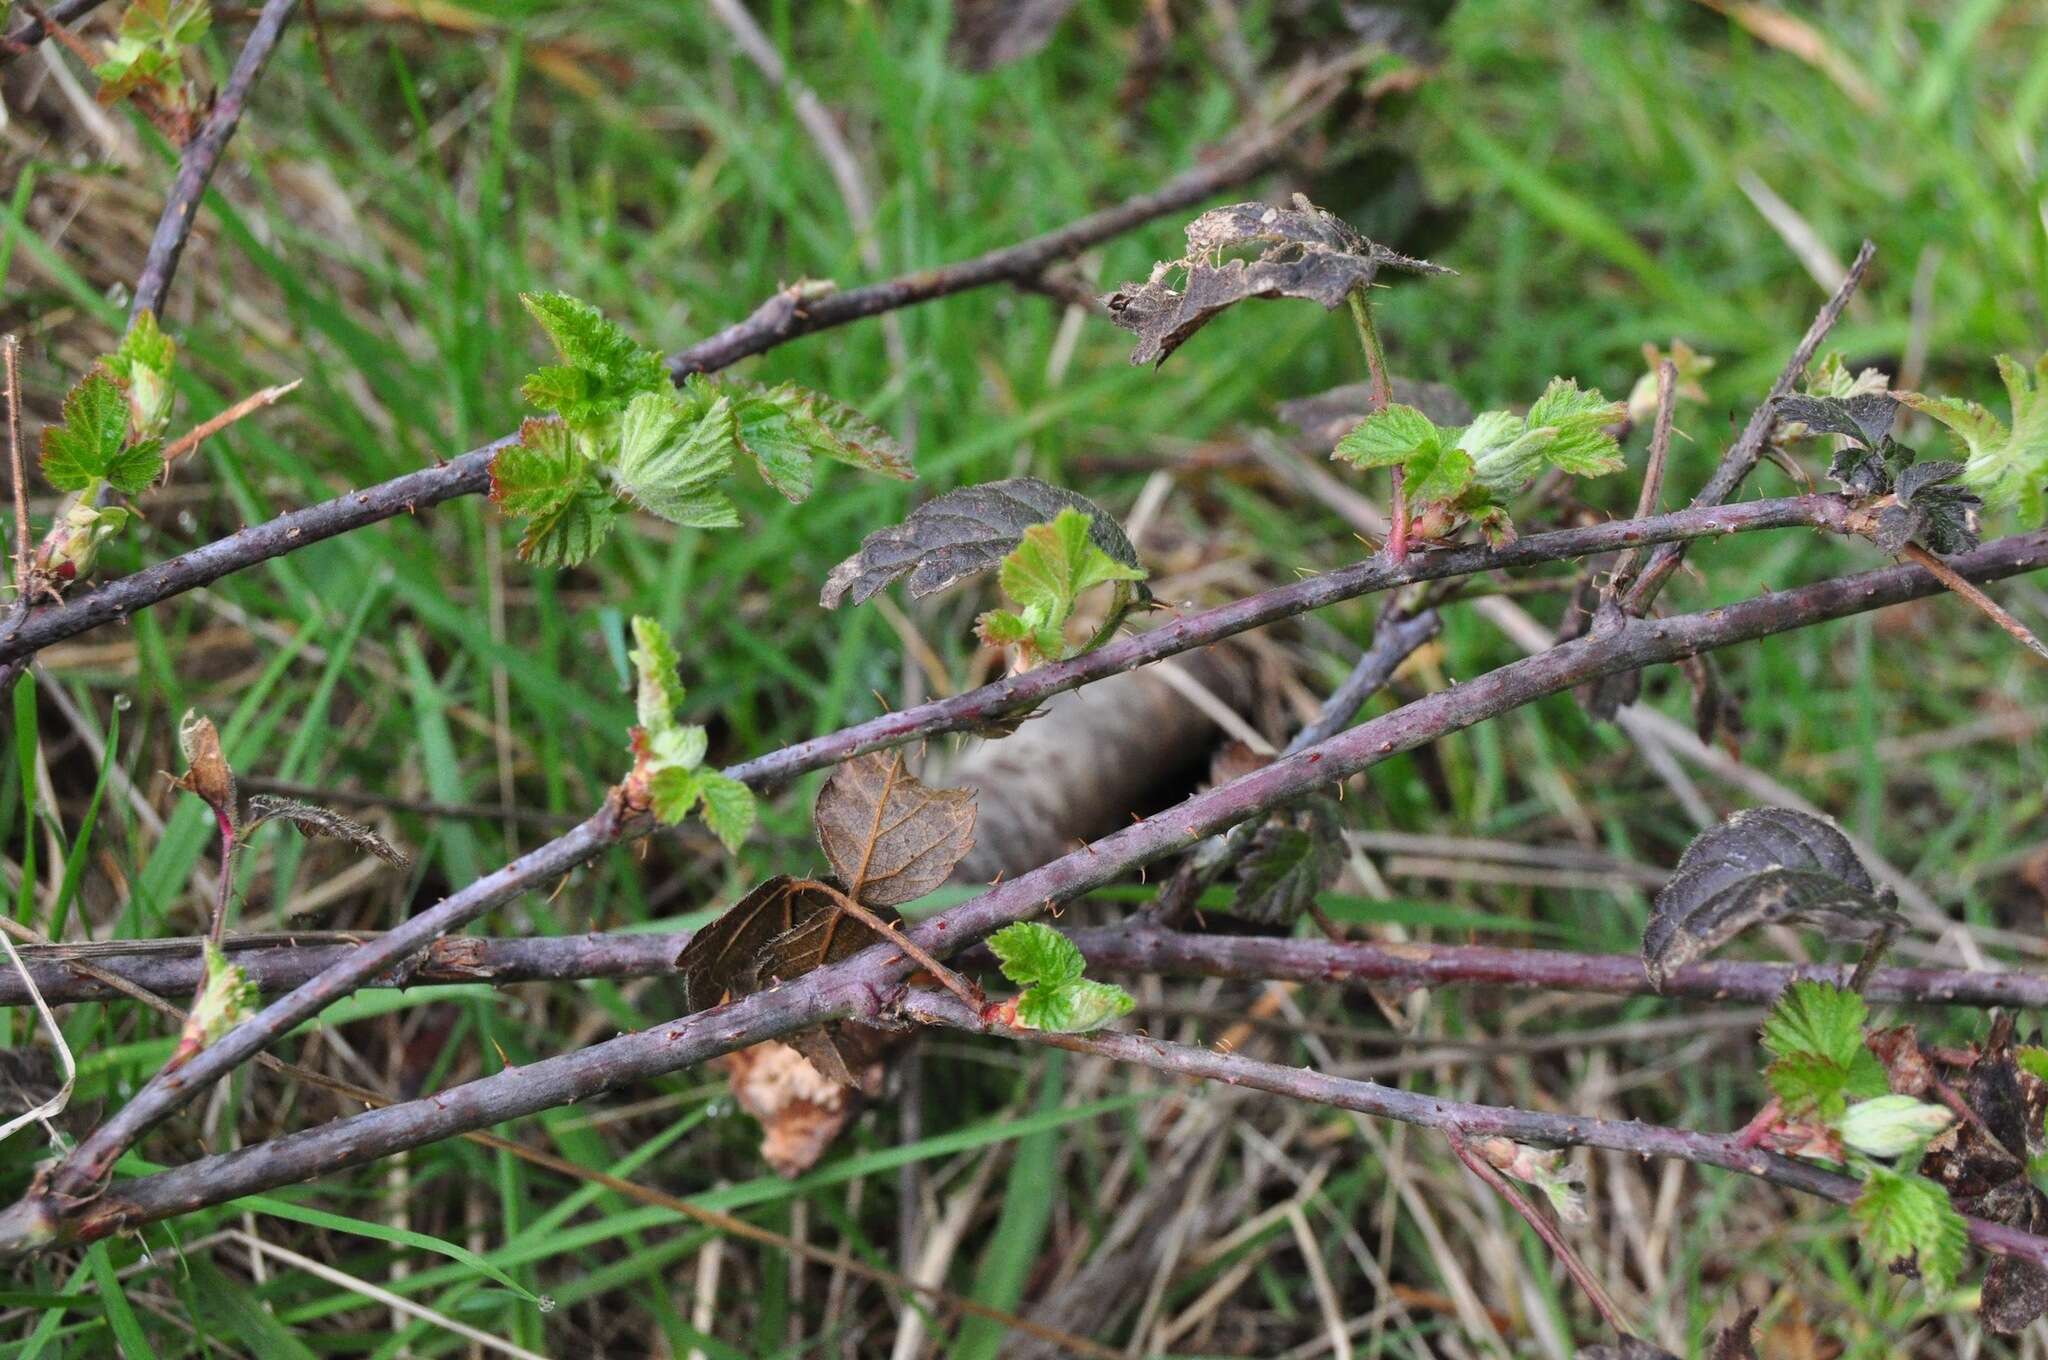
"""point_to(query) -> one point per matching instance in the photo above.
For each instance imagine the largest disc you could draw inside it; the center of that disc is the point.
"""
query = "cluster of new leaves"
(1056, 997)
(2007, 464)
(1904, 500)
(1049, 545)
(1763, 866)
(1300, 252)
(621, 435)
(1690, 366)
(1835, 1101)
(1046, 574)
(669, 775)
(110, 439)
(890, 839)
(146, 62)
(226, 995)
(1467, 474)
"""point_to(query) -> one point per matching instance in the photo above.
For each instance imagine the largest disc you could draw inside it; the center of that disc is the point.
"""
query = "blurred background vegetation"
(1601, 176)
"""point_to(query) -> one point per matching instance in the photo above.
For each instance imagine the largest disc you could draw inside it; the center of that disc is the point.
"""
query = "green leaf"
(1906, 1217)
(658, 693)
(2033, 1060)
(674, 792)
(1388, 436)
(1032, 953)
(547, 479)
(226, 998)
(670, 458)
(1072, 1007)
(145, 362)
(170, 24)
(2008, 466)
(602, 367)
(728, 808)
(91, 444)
(1046, 573)
(1816, 1031)
(1438, 472)
(776, 443)
(1581, 444)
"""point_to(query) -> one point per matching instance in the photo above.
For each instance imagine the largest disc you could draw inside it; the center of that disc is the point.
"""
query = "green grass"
(1581, 166)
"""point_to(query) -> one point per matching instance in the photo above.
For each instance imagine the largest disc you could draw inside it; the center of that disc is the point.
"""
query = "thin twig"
(201, 155)
(1989, 607)
(1653, 474)
(32, 31)
(1382, 398)
(947, 978)
(1546, 1230)
(74, 1200)
(193, 437)
(1725, 1151)
(24, 549)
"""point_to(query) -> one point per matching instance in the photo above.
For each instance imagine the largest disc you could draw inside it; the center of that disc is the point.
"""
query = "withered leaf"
(1866, 417)
(1762, 866)
(889, 836)
(801, 1111)
(722, 956)
(1293, 857)
(1327, 417)
(207, 775)
(313, 820)
(2014, 1296)
(1306, 253)
(961, 533)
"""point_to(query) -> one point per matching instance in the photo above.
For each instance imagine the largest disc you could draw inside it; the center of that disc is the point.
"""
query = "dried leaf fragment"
(963, 533)
(207, 774)
(313, 820)
(889, 836)
(1304, 252)
(801, 1111)
(1762, 866)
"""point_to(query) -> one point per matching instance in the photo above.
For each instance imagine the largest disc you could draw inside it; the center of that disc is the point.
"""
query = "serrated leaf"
(602, 368)
(91, 444)
(1691, 365)
(1033, 954)
(772, 438)
(545, 470)
(167, 23)
(1908, 1218)
(144, 362)
(890, 837)
(567, 533)
(962, 533)
(1437, 474)
(658, 688)
(1866, 418)
(1289, 862)
(1388, 437)
(1579, 419)
(1816, 1031)
(1763, 865)
(1073, 1007)
(313, 820)
(2008, 466)
(1831, 378)
(728, 808)
(1304, 253)
(810, 424)
(668, 459)
(1056, 563)
(673, 792)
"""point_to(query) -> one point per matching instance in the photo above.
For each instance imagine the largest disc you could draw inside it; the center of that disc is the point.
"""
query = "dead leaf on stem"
(890, 837)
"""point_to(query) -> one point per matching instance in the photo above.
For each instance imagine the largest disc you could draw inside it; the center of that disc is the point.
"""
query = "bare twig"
(916, 953)
(1726, 1151)
(24, 543)
(1990, 608)
(206, 429)
(276, 963)
(33, 31)
(201, 155)
(1653, 475)
(74, 1200)
(1588, 1284)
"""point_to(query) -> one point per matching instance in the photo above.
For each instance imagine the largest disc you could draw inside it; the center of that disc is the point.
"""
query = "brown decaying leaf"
(1986, 1176)
(207, 775)
(1762, 866)
(800, 1109)
(781, 930)
(890, 837)
(1304, 253)
(1735, 1342)
(962, 533)
(313, 820)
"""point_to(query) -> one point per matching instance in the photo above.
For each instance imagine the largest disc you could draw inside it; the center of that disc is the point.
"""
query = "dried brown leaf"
(721, 957)
(801, 1110)
(207, 775)
(1735, 1341)
(890, 837)
(1762, 866)
(1304, 252)
(962, 533)
(313, 820)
